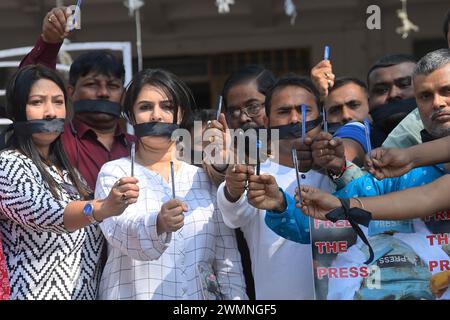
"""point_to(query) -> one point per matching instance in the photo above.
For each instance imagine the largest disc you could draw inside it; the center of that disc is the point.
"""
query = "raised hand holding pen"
(216, 132)
(322, 74)
(54, 25)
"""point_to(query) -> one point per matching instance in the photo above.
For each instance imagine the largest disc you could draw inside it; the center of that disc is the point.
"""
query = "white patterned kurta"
(44, 261)
(143, 265)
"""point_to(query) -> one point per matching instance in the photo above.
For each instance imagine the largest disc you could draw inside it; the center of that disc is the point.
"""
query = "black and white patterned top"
(44, 260)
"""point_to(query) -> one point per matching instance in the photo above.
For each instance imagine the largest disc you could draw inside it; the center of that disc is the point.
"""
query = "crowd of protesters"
(90, 211)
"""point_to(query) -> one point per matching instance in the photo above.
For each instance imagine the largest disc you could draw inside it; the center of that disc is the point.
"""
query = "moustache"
(436, 114)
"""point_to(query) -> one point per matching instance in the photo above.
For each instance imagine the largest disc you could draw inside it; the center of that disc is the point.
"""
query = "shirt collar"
(82, 129)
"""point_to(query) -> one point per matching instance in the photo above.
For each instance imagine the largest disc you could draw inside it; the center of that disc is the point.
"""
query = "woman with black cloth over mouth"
(172, 244)
(48, 220)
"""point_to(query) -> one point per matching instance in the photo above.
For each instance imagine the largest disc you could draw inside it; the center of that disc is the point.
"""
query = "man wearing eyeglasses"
(243, 95)
(281, 268)
(250, 113)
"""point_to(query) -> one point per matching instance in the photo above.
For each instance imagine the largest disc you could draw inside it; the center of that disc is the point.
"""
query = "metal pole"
(137, 15)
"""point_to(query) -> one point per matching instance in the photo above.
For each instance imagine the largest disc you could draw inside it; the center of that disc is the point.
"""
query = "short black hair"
(390, 60)
(291, 80)
(265, 79)
(204, 115)
(342, 81)
(101, 61)
(446, 23)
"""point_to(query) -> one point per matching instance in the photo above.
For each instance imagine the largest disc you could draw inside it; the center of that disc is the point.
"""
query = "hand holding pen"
(322, 74)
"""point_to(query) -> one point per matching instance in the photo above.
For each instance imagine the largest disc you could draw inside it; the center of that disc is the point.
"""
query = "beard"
(249, 125)
(436, 129)
(439, 131)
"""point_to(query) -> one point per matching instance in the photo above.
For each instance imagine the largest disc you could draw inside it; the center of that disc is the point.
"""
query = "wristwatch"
(88, 212)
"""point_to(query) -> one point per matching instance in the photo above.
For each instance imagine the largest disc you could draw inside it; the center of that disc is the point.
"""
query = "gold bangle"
(360, 202)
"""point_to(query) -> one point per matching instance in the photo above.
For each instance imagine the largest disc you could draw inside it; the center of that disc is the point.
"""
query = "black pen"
(132, 157)
(172, 174)
(325, 122)
(296, 167)
(219, 108)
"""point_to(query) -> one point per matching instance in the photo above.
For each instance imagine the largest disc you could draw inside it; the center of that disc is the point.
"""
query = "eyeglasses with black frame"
(251, 110)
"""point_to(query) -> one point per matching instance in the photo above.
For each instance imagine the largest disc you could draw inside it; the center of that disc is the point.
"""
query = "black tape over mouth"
(294, 130)
(25, 128)
(98, 106)
(155, 129)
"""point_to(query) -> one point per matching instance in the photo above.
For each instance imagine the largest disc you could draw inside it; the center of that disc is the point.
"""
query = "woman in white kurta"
(159, 247)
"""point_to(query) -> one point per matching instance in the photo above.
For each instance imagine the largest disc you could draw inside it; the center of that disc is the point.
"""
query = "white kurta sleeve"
(235, 214)
(133, 233)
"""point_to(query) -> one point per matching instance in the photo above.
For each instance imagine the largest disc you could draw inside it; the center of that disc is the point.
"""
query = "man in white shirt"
(282, 269)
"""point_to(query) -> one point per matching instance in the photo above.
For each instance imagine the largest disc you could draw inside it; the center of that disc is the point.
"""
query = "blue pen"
(303, 109)
(326, 54)
(367, 131)
(258, 159)
(75, 15)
